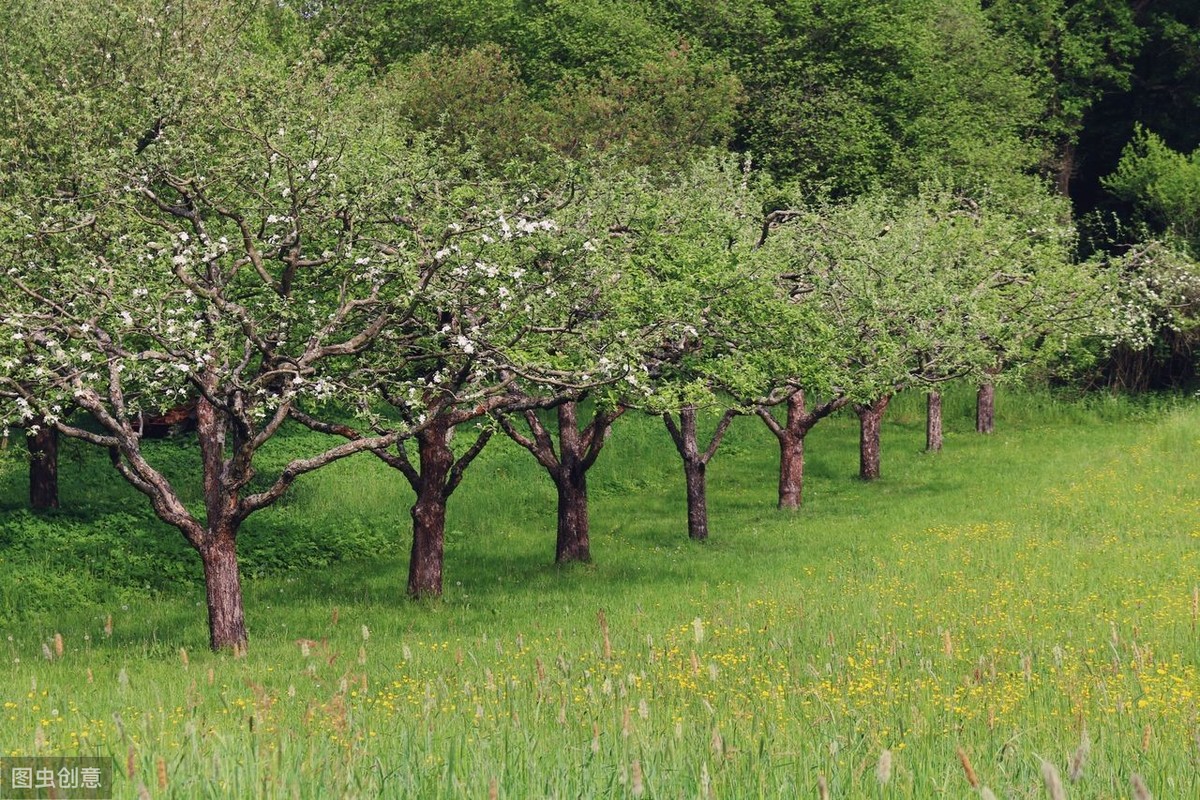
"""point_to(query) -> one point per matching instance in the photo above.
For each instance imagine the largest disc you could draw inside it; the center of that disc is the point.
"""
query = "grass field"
(1023, 598)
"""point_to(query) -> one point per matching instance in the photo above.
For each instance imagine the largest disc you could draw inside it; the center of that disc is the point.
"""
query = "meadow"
(1022, 599)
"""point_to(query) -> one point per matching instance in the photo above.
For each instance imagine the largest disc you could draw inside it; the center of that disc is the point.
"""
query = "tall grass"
(983, 606)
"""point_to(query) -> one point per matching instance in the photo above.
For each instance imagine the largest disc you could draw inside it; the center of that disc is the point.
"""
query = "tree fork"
(695, 464)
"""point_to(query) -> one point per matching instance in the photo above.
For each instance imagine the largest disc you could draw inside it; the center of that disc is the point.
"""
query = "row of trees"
(202, 204)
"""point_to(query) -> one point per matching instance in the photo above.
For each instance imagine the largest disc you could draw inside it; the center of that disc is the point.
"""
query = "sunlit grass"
(1002, 597)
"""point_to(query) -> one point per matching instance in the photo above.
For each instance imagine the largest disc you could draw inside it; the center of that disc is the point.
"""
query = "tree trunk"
(573, 543)
(223, 587)
(697, 499)
(791, 470)
(429, 512)
(570, 477)
(1064, 170)
(43, 466)
(933, 423)
(695, 464)
(985, 408)
(870, 416)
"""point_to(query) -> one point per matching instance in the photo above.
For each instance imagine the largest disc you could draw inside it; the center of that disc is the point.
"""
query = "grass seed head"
(822, 788)
(1140, 792)
(963, 759)
(883, 769)
(1054, 786)
(1079, 760)
(606, 642)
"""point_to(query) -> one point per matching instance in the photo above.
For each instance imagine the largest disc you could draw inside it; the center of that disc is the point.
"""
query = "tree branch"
(460, 466)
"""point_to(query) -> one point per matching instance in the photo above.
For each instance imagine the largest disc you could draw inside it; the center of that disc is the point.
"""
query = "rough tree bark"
(695, 463)
(436, 460)
(870, 416)
(567, 465)
(933, 422)
(43, 465)
(223, 591)
(985, 408)
(790, 436)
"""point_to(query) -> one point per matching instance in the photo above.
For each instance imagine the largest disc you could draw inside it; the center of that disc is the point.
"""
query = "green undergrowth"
(1026, 597)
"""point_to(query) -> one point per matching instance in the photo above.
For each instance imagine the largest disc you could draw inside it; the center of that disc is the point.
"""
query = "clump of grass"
(816, 628)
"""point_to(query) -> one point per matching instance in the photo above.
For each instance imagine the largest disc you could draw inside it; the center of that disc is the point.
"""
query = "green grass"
(1000, 597)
